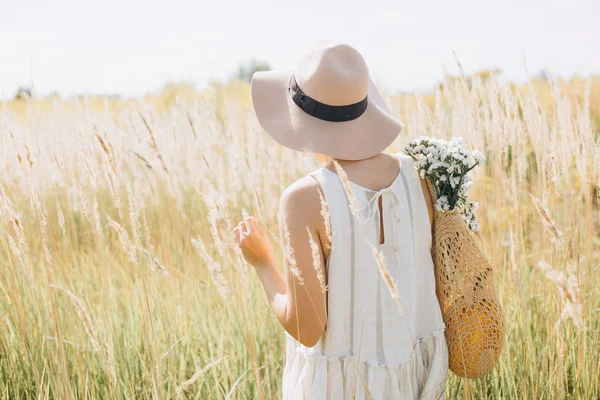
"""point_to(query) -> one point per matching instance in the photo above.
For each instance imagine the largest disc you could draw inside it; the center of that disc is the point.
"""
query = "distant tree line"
(23, 93)
(245, 71)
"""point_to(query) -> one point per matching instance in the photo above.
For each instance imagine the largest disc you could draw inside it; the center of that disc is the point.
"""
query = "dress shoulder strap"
(411, 174)
(414, 174)
(416, 196)
(332, 188)
(407, 164)
(335, 196)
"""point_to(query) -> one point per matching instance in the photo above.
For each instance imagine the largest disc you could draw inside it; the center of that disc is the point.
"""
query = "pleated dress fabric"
(371, 348)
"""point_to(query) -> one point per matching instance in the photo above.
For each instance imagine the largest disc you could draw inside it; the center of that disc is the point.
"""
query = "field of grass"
(118, 278)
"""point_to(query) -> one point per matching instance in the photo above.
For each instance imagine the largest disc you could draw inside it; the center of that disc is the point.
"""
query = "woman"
(348, 336)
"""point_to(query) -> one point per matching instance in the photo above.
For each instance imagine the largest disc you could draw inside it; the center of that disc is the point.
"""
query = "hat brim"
(290, 126)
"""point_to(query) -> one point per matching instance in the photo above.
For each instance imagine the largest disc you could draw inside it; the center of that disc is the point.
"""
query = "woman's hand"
(254, 243)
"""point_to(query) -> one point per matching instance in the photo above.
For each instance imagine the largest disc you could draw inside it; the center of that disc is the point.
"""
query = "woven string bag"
(472, 314)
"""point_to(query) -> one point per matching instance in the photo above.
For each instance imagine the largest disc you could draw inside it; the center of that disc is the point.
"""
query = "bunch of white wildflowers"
(447, 164)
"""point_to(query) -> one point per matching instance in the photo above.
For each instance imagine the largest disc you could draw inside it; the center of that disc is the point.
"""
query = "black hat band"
(324, 111)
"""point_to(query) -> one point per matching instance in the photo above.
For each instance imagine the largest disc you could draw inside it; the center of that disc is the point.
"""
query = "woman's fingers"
(236, 234)
(246, 228)
(249, 227)
(254, 222)
(242, 230)
(255, 245)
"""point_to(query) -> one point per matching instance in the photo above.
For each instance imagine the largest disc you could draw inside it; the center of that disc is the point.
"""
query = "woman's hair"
(323, 158)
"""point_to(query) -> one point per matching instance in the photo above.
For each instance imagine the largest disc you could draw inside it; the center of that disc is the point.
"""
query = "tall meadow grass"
(119, 278)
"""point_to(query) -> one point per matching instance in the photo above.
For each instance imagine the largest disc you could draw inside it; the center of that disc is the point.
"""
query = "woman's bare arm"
(296, 295)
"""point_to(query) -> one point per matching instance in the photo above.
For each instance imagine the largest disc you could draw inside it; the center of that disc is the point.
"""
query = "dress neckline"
(396, 179)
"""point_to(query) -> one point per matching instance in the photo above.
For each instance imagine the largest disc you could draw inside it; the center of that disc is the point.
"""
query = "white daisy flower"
(448, 164)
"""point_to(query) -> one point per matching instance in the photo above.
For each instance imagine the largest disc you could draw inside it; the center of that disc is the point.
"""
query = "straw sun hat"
(328, 105)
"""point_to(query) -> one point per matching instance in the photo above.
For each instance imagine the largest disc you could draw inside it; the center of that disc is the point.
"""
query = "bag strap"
(435, 212)
(431, 190)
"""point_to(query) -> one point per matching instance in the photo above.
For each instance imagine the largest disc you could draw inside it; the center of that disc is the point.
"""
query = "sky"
(132, 47)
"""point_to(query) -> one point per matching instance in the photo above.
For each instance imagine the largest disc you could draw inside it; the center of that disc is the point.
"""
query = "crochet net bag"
(472, 314)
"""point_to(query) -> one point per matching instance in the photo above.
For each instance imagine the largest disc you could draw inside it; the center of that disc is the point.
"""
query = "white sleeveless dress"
(370, 350)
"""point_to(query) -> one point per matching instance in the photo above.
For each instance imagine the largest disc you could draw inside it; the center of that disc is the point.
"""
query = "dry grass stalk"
(13, 218)
(199, 374)
(133, 216)
(110, 364)
(109, 150)
(18, 244)
(85, 157)
(155, 261)
(61, 219)
(22, 259)
(83, 316)
(97, 222)
(218, 218)
(166, 353)
(548, 222)
(140, 157)
(568, 287)
(387, 278)
(513, 255)
(84, 204)
(513, 249)
(113, 185)
(152, 142)
(128, 247)
(352, 200)
(315, 250)
(216, 273)
(326, 220)
(63, 341)
(241, 265)
(187, 117)
(28, 155)
(43, 233)
(147, 231)
(110, 169)
(288, 252)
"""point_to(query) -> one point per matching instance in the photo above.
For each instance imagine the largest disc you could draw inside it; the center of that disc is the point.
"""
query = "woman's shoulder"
(301, 206)
(303, 198)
